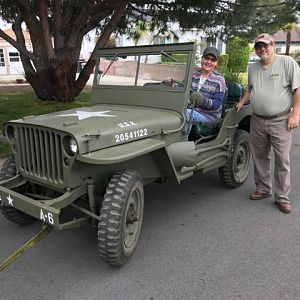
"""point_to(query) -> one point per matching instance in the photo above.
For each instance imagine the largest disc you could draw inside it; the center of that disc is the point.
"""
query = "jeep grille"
(40, 152)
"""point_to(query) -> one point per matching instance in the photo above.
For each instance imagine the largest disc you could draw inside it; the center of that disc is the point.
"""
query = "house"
(10, 61)
(280, 40)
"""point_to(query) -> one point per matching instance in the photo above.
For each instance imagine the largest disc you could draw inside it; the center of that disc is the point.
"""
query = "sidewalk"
(11, 78)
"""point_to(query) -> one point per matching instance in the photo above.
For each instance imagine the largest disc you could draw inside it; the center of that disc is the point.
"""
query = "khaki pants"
(264, 135)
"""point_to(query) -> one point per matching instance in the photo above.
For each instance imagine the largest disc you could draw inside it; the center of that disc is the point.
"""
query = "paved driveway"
(199, 240)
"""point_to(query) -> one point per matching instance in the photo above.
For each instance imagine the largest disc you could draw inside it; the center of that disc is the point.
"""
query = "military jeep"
(89, 165)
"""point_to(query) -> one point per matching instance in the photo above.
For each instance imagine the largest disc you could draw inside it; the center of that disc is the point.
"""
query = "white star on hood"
(87, 114)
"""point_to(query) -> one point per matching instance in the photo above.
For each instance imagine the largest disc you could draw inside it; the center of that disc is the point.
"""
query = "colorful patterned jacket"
(213, 91)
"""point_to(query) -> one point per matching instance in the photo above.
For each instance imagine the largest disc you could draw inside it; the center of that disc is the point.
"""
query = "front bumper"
(48, 211)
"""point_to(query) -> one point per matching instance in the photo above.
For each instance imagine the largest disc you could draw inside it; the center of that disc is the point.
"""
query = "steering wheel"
(172, 83)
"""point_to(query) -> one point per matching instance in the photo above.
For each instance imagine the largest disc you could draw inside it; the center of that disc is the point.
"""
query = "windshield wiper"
(169, 56)
(110, 64)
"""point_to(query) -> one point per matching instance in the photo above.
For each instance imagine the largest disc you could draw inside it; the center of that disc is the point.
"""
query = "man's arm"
(243, 100)
(293, 121)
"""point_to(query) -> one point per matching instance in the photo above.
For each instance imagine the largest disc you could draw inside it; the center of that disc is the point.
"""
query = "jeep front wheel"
(121, 217)
(10, 213)
(236, 170)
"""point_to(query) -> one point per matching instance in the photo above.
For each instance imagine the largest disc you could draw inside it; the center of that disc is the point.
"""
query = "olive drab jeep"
(90, 164)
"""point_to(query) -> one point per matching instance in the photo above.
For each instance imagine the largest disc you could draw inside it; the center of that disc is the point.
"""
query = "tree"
(57, 28)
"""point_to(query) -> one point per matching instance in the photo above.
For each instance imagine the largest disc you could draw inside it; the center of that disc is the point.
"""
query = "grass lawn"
(16, 105)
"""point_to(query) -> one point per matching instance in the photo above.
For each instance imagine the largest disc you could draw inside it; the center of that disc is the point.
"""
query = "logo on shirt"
(274, 76)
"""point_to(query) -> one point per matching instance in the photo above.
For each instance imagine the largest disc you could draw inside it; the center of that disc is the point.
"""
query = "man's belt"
(273, 116)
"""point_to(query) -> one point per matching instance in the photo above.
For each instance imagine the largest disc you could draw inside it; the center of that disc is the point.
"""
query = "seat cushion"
(203, 130)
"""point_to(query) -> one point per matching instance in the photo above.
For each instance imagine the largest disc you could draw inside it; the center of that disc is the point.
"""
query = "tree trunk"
(55, 81)
(288, 43)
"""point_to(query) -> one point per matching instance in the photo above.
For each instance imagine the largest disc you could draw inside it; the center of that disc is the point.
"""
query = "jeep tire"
(236, 170)
(10, 213)
(121, 217)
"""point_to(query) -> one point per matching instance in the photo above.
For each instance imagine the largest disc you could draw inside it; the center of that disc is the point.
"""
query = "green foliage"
(223, 63)
(233, 77)
(174, 58)
(296, 56)
(238, 50)
(16, 105)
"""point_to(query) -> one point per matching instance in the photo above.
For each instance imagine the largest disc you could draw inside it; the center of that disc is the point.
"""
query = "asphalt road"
(199, 240)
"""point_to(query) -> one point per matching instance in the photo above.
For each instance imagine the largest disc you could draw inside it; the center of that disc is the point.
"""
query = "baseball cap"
(264, 38)
(213, 51)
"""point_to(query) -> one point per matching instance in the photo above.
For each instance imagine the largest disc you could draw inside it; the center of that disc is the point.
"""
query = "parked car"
(252, 60)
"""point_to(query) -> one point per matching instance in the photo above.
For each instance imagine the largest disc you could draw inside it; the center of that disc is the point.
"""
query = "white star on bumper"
(10, 200)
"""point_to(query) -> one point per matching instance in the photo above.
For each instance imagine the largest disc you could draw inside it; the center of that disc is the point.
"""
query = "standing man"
(274, 92)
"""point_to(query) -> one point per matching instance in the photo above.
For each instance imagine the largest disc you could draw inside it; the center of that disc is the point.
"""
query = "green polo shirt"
(272, 86)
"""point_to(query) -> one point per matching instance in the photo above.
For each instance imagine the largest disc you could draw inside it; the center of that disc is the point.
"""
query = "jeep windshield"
(161, 68)
(155, 76)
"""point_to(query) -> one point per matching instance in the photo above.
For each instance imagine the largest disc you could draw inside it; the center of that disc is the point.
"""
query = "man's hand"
(243, 100)
(239, 106)
(293, 121)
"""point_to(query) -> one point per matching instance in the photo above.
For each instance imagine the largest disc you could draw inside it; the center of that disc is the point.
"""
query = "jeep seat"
(209, 129)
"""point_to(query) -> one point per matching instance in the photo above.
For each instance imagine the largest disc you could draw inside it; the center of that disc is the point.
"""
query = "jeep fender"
(134, 151)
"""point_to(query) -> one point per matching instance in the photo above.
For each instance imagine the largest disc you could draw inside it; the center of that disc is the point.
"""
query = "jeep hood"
(102, 126)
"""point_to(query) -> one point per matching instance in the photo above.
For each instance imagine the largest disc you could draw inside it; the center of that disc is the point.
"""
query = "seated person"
(211, 86)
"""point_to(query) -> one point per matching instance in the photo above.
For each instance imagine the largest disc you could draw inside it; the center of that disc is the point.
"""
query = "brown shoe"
(285, 207)
(258, 195)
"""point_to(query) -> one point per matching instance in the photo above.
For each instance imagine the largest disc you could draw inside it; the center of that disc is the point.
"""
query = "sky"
(3, 25)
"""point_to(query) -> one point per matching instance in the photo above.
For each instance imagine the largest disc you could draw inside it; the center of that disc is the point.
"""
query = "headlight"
(10, 134)
(73, 145)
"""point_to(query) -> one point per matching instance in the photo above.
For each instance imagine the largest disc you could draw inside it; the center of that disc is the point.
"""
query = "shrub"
(222, 64)
(296, 56)
(233, 77)
(238, 50)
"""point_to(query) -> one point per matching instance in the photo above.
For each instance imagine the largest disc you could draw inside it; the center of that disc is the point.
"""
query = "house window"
(160, 40)
(278, 49)
(14, 56)
(166, 39)
(2, 61)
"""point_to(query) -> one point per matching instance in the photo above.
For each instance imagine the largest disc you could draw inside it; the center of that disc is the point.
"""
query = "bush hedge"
(238, 50)
(223, 63)
(296, 56)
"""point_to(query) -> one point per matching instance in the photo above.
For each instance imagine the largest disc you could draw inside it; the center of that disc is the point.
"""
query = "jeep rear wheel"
(121, 217)
(236, 170)
(10, 213)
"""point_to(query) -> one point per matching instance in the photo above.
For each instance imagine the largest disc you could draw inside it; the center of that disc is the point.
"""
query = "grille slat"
(37, 152)
(41, 153)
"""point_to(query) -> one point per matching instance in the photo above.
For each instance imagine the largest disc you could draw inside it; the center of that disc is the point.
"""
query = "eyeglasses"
(259, 46)
(209, 58)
